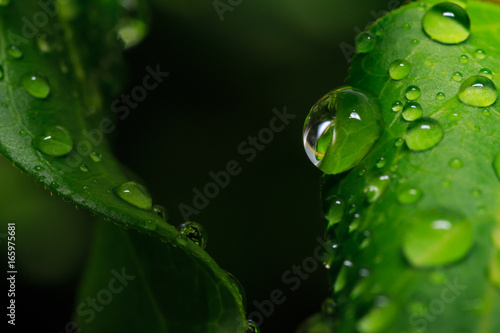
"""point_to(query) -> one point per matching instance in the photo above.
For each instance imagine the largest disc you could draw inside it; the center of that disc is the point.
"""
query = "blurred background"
(227, 73)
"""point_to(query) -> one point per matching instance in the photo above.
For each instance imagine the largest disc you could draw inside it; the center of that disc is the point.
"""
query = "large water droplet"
(14, 51)
(365, 42)
(478, 91)
(412, 111)
(423, 134)
(437, 237)
(447, 23)
(412, 93)
(399, 69)
(134, 194)
(36, 85)
(378, 319)
(56, 141)
(341, 129)
(195, 232)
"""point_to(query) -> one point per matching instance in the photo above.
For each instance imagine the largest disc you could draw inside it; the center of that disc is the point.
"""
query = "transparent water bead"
(134, 194)
(399, 69)
(341, 129)
(437, 237)
(56, 141)
(412, 111)
(379, 318)
(365, 42)
(412, 93)
(447, 23)
(423, 134)
(195, 232)
(478, 91)
(14, 51)
(36, 85)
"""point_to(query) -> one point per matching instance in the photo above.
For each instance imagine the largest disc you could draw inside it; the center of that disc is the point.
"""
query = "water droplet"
(437, 237)
(23, 133)
(54, 185)
(379, 318)
(134, 194)
(252, 327)
(478, 91)
(423, 134)
(412, 93)
(328, 307)
(496, 164)
(41, 179)
(447, 23)
(399, 69)
(131, 31)
(457, 76)
(334, 209)
(374, 190)
(399, 142)
(161, 211)
(380, 163)
(410, 195)
(195, 232)
(406, 26)
(456, 163)
(15, 52)
(4, 3)
(84, 167)
(365, 42)
(56, 141)
(480, 54)
(397, 106)
(43, 44)
(486, 112)
(414, 41)
(464, 59)
(486, 72)
(39, 168)
(86, 187)
(341, 129)
(36, 85)
(96, 157)
(412, 111)
(342, 276)
(440, 96)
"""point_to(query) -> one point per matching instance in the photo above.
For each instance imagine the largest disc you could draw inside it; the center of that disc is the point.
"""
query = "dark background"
(225, 79)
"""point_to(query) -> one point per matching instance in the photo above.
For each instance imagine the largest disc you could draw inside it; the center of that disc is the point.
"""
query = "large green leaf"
(77, 52)
(394, 271)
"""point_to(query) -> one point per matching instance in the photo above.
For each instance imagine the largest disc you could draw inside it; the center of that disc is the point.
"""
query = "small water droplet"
(56, 141)
(373, 191)
(486, 112)
(341, 129)
(399, 69)
(15, 52)
(195, 232)
(486, 72)
(409, 195)
(334, 210)
(456, 163)
(412, 111)
(406, 26)
(161, 211)
(39, 168)
(54, 185)
(437, 237)
(84, 167)
(464, 59)
(397, 106)
(96, 157)
(365, 42)
(440, 96)
(379, 318)
(41, 179)
(447, 23)
(380, 163)
(457, 76)
(36, 85)
(23, 133)
(423, 134)
(134, 194)
(415, 41)
(480, 54)
(412, 93)
(43, 44)
(252, 327)
(86, 187)
(478, 91)
(399, 142)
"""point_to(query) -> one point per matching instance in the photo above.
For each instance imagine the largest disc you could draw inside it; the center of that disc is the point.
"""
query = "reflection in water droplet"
(412, 111)
(447, 23)
(195, 232)
(478, 91)
(437, 237)
(56, 141)
(36, 85)
(412, 93)
(399, 69)
(134, 194)
(341, 129)
(423, 134)
(365, 42)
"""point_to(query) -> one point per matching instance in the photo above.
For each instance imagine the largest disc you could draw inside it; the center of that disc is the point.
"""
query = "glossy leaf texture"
(58, 78)
(417, 221)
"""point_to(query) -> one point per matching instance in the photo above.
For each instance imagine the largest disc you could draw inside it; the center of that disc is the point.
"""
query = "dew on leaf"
(380, 163)
(95, 156)
(56, 141)
(486, 112)
(341, 129)
(334, 210)
(399, 69)
(36, 85)
(379, 318)
(84, 167)
(412, 93)
(399, 142)
(423, 134)
(409, 195)
(397, 106)
(447, 23)
(131, 31)
(134, 194)
(457, 76)
(437, 237)
(23, 133)
(486, 72)
(440, 96)
(478, 91)
(239, 287)
(464, 59)
(195, 232)
(412, 111)
(160, 211)
(365, 42)
(14, 51)
(480, 54)
(406, 26)
(39, 168)
(414, 41)
(456, 163)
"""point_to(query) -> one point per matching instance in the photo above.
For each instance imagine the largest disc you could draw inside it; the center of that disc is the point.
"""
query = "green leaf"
(421, 254)
(54, 130)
